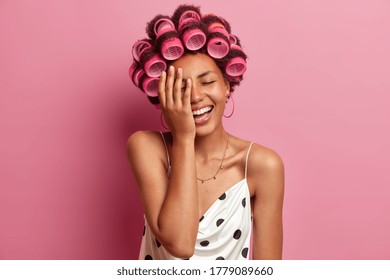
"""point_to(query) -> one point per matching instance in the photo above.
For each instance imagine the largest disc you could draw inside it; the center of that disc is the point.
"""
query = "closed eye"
(208, 83)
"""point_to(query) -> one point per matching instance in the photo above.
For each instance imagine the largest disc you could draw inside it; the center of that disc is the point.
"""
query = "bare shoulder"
(142, 137)
(260, 157)
(265, 171)
(144, 141)
(265, 159)
(145, 145)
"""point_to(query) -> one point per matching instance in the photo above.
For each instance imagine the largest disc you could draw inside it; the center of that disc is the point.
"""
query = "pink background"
(317, 90)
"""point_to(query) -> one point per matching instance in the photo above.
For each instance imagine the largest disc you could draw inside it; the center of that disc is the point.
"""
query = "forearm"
(268, 242)
(178, 218)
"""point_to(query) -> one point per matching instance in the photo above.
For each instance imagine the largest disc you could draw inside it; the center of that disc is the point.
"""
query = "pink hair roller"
(218, 47)
(236, 47)
(139, 47)
(171, 48)
(132, 68)
(233, 39)
(137, 75)
(154, 66)
(163, 25)
(187, 17)
(219, 27)
(236, 67)
(150, 86)
(194, 39)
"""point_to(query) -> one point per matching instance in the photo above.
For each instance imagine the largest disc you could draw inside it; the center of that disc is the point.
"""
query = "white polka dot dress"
(224, 230)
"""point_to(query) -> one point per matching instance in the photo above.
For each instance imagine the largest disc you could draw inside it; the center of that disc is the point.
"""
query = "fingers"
(177, 92)
(187, 93)
(161, 89)
(172, 91)
(169, 86)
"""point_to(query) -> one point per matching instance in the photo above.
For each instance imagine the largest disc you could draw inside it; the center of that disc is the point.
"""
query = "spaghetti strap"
(166, 150)
(246, 160)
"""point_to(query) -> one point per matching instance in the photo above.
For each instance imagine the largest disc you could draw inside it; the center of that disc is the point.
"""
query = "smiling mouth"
(202, 111)
(202, 114)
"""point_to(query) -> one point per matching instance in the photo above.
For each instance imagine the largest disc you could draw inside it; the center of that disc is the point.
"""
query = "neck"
(211, 145)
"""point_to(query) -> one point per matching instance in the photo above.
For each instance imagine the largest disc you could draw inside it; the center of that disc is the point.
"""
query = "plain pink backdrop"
(317, 90)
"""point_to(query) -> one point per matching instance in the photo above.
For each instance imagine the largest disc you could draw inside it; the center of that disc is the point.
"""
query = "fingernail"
(179, 71)
(162, 74)
(170, 69)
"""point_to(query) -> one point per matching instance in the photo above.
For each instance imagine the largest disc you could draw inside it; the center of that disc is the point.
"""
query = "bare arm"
(170, 204)
(266, 175)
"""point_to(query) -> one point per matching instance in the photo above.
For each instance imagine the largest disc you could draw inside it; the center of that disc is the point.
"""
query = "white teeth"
(201, 111)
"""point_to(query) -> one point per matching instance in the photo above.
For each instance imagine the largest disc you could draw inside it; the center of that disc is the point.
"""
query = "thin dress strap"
(166, 149)
(246, 160)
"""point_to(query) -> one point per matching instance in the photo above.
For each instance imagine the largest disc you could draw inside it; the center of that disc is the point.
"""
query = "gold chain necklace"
(220, 166)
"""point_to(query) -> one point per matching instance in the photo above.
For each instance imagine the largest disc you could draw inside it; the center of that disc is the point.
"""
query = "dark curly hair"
(187, 31)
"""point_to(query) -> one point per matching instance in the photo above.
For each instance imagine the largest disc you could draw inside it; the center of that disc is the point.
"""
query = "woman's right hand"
(175, 103)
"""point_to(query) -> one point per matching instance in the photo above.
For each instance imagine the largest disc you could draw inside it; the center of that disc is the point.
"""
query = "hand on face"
(175, 102)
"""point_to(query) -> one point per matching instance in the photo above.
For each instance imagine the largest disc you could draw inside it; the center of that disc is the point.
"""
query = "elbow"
(179, 243)
(182, 250)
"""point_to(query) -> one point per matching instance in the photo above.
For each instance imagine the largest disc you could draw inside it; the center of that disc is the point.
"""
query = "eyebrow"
(205, 74)
(202, 75)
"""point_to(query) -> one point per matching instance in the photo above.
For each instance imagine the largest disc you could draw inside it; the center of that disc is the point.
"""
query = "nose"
(196, 94)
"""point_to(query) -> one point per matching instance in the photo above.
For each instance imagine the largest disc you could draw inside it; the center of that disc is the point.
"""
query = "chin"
(205, 130)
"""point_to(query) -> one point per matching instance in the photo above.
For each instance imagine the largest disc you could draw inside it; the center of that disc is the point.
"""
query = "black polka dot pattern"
(244, 252)
(219, 222)
(223, 234)
(237, 234)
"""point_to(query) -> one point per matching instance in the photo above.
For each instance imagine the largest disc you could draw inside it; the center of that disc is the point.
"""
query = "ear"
(227, 88)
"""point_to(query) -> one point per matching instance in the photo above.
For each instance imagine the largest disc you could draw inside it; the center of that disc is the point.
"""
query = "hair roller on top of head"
(150, 86)
(136, 73)
(152, 63)
(237, 64)
(233, 39)
(187, 17)
(183, 9)
(171, 45)
(219, 43)
(132, 69)
(192, 34)
(139, 47)
(211, 18)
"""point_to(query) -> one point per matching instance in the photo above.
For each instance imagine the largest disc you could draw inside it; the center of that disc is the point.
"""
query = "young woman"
(204, 191)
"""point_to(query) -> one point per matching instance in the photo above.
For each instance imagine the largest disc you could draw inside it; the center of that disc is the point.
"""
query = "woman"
(203, 190)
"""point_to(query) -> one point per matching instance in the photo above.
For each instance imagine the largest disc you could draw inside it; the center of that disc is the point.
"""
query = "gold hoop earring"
(228, 116)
